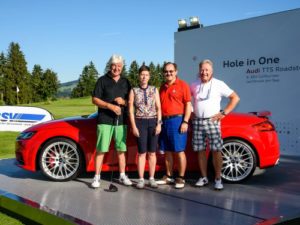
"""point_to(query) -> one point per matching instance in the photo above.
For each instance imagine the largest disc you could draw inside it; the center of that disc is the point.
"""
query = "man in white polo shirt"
(207, 93)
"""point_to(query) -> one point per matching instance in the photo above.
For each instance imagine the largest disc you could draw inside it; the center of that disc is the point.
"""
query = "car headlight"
(26, 135)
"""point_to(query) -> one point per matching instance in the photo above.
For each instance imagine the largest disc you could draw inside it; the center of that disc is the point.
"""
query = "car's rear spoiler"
(262, 113)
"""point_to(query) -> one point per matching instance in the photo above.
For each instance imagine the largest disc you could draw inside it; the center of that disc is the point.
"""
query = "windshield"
(93, 115)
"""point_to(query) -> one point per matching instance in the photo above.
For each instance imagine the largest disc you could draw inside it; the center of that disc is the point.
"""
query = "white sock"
(151, 178)
(122, 175)
(141, 179)
(97, 177)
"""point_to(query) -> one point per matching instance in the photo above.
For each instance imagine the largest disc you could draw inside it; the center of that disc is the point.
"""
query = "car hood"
(59, 123)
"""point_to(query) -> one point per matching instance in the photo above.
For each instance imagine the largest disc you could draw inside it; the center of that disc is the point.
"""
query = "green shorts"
(105, 133)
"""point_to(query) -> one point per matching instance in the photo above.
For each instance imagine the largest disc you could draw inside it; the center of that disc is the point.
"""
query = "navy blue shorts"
(170, 137)
(147, 141)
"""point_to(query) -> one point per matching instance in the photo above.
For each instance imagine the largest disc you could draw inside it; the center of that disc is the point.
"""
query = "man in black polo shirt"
(111, 95)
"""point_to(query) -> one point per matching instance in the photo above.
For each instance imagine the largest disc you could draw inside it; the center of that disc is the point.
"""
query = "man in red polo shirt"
(176, 109)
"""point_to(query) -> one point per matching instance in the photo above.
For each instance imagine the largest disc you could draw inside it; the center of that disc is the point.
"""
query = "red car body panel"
(266, 143)
(83, 131)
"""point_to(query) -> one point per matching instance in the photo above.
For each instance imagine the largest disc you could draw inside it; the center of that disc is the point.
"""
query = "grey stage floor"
(268, 196)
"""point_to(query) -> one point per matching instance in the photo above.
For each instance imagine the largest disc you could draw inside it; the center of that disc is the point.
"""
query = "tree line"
(19, 86)
(89, 76)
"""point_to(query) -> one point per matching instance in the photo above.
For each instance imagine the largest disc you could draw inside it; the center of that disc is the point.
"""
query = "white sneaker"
(179, 183)
(96, 182)
(125, 180)
(202, 182)
(152, 183)
(166, 180)
(140, 184)
(218, 184)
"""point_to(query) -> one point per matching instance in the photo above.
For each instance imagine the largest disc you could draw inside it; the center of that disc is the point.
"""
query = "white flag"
(18, 89)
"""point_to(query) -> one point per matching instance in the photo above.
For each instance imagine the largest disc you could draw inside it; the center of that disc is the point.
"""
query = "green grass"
(68, 107)
(7, 144)
(59, 109)
(7, 220)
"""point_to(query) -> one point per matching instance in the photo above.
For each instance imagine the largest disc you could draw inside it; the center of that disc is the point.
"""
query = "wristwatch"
(159, 122)
(222, 112)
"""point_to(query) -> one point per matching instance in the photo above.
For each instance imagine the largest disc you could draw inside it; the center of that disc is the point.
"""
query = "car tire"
(60, 159)
(239, 161)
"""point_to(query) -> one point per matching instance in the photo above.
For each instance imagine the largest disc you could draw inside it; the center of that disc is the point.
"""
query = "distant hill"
(65, 89)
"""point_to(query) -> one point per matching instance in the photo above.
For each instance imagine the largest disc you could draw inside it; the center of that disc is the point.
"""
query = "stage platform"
(270, 196)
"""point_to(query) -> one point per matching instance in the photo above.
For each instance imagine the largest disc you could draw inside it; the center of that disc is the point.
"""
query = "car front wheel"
(60, 159)
(239, 161)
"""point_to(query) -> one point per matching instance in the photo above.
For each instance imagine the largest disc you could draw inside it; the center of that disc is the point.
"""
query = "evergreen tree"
(78, 90)
(133, 74)
(50, 85)
(17, 77)
(153, 78)
(159, 75)
(87, 82)
(124, 70)
(37, 83)
(2, 73)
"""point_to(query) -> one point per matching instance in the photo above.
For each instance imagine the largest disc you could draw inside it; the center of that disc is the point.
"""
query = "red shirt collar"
(175, 82)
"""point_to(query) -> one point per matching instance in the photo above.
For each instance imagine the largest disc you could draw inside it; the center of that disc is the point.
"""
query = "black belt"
(197, 118)
(172, 116)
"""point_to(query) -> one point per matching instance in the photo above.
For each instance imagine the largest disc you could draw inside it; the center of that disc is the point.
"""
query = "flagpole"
(17, 95)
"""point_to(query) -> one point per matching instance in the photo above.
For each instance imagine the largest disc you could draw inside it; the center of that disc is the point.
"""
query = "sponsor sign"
(259, 58)
(18, 118)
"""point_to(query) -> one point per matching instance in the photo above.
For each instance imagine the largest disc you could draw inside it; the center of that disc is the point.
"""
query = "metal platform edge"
(32, 211)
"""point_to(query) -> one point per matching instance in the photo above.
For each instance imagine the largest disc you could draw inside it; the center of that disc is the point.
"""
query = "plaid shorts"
(204, 132)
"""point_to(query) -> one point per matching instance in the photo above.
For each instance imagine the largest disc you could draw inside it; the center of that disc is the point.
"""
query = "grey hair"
(206, 61)
(114, 59)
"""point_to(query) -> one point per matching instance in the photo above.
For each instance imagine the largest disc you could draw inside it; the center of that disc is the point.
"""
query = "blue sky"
(66, 35)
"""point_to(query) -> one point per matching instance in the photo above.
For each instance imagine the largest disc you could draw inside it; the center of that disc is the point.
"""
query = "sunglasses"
(200, 93)
(169, 71)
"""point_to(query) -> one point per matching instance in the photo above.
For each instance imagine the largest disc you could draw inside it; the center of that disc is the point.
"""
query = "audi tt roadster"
(63, 148)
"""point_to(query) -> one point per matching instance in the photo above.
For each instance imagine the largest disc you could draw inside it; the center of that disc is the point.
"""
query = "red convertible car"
(61, 149)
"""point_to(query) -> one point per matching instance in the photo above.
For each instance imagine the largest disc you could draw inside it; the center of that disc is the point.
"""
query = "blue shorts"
(170, 137)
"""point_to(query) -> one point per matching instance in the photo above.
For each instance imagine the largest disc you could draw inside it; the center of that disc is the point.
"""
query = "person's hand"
(184, 127)
(119, 101)
(157, 129)
(217, 117)
(115, 108)
(135, 132)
